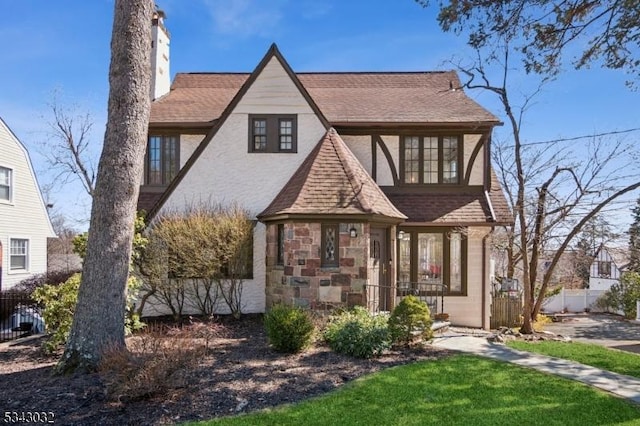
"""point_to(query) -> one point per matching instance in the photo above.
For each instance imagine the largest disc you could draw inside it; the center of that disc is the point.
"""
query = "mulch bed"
(239, 373)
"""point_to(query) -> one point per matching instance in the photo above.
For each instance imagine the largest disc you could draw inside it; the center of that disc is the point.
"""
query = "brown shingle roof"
(384, 97)
(331, 181)
(455, 208)
(499, 203)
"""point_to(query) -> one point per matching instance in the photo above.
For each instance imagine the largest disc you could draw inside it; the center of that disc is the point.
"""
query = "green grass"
(459, 390)
(594, 355)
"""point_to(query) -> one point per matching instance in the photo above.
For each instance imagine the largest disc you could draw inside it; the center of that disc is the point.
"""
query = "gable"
(26, 209)
(222, 170)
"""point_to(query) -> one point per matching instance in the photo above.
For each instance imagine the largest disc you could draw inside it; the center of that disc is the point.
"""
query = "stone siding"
(302, 281)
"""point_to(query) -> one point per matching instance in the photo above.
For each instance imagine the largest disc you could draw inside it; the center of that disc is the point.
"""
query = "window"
(273, 133)
(5, 184)
(163, 159)
(604, 269)
(280, 258)
(433, 257)
(430, 159)
(330, 246)
(18, 253)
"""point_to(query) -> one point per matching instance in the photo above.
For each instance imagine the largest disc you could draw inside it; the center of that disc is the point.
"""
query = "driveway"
(602, 329)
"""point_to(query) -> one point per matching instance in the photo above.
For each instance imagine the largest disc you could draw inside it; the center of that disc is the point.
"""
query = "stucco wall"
(467, 310)
(188, 144)
(361, 148)
(477, 171)
(227, 173)
(384, 172)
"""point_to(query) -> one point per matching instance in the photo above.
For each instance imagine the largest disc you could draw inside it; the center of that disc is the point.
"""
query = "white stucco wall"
(361, 148)
(384, 173)
(25, 215)
(188, 144)
(477, 172)
(227, 173)
(467, 310)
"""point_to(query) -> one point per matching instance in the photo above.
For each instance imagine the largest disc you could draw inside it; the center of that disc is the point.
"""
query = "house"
(361, 183)
(603, 272)
(24, 221)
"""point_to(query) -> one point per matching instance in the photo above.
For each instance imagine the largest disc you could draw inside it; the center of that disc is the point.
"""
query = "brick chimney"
(160, 77)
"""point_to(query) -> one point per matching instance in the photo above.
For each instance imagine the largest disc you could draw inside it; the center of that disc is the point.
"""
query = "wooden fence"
(506, 311)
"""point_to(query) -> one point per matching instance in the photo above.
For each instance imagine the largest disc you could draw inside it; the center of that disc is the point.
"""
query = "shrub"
(358, 333)
(540, 322)
(59, 305)
(152, 365)
(624, 294)
(410, 319)
(28, 285)
(289, 329)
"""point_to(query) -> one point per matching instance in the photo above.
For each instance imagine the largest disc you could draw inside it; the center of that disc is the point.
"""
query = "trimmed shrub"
(289, 329)
(409, 320)
(358, 333)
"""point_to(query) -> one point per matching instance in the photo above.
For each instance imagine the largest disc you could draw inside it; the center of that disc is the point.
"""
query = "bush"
(152, 365)
(623, 295)
(358, 333)
(28, 285)
(289, 329)
(410, 319)
(59, 305)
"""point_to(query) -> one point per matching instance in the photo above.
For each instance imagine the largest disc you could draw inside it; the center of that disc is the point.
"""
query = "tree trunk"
(99, 316)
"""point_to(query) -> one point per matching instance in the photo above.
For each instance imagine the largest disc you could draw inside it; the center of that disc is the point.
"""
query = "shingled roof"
(463, 209)
(344, 98)
(331, 181)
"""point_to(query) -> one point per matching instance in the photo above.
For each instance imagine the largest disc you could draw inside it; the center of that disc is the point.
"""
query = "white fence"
(572, 301)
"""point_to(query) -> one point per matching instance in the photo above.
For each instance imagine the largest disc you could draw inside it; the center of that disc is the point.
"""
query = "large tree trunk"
(99, 317)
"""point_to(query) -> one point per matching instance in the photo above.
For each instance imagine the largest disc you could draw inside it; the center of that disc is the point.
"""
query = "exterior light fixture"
(353, 232)
(401, 235)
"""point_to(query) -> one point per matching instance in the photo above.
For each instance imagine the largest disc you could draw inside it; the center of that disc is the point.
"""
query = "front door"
(379, 297)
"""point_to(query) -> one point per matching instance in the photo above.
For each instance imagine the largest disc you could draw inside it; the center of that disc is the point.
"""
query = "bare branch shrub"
(198, 257)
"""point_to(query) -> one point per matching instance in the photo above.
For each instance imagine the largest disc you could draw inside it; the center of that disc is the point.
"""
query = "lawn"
(461, 389)
(589, 354)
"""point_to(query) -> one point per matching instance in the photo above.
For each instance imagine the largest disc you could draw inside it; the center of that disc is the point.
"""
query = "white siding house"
(24, 222)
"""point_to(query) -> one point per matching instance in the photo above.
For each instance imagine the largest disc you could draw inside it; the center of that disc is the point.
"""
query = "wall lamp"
(353, 232)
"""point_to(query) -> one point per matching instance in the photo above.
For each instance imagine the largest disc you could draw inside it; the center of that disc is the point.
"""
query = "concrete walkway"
(618, 384)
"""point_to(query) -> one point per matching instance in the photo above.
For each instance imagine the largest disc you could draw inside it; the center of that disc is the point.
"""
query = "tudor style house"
(361, 184)
(24, 221)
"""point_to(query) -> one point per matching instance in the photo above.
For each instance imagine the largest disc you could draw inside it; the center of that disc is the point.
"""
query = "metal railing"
(19, 316)
(384, 298)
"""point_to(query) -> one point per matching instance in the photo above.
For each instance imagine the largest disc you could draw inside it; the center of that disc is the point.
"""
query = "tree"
(99, 318)
(605, 30)
(634, 239)
(67, 149)
(553, 194)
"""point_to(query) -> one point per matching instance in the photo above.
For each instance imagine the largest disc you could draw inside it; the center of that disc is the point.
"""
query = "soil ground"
(238, 373)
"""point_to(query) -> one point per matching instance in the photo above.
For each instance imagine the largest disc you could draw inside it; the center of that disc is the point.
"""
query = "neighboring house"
(363, 178)
(603, 272)
(24, 221)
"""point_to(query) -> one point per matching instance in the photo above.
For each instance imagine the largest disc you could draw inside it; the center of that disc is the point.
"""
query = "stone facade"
(302, 281)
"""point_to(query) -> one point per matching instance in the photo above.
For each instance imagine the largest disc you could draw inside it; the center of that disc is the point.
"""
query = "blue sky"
(63, 46)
